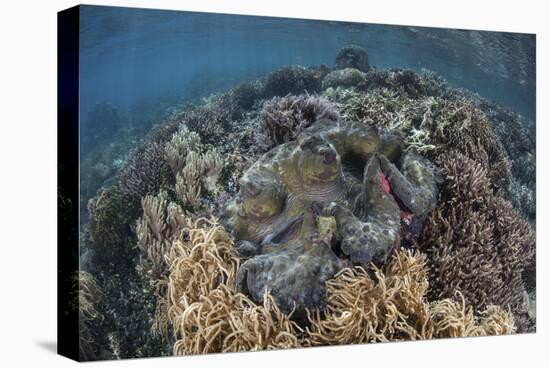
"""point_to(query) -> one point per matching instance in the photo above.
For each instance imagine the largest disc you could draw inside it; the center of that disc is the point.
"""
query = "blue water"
(140, 59)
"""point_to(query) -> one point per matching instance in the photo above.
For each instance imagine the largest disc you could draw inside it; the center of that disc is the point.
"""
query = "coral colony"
(316, 206)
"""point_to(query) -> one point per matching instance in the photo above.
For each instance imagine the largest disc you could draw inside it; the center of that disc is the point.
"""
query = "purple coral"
(476, 242)
(283, 118)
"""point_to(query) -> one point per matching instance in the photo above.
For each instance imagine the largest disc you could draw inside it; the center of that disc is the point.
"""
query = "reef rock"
(353, 56)
(359, 176)
(348, 77)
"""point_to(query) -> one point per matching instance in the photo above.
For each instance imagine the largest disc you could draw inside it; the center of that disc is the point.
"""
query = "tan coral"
(195, 172)
(182, 142)
(188, 181)
(390, 305)
(207, 313)
(212, 165)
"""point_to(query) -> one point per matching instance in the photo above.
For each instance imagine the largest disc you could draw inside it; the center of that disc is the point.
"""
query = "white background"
(28, 181)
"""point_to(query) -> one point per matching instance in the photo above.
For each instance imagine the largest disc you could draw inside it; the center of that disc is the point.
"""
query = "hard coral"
(246, 94)
(397, 79)
(293, 79)
(283, 118)
(145, 173)
(459, 125)
(348, 77)
(353, 56)
(210, 121)
(109, 223)
(433, 126)
(476, 242)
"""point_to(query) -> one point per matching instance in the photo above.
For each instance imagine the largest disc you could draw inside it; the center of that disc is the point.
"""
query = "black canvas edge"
(68, 47)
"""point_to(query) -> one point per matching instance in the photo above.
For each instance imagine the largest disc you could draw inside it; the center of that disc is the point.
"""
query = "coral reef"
(329, 166)
(110, 223)
(353, 56)
(433, 126)
(405, 80)
(346, 78)
(293, 79)
(390, 305)
(145, 173)
(207, 121)
(245, 95)
(284, 118)
(195, 167)
(524, 198)
(207, 313)
(476, 242)
(306, 187)
(128, 301)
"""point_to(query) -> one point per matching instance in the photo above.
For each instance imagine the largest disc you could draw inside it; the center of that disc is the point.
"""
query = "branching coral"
(390, 305)
(433, 126)
(523, 198)
(145, 172)
(380, 107)
(460, 125)
(404, 80)
(212, 119)
(283, 118)
(476, 242)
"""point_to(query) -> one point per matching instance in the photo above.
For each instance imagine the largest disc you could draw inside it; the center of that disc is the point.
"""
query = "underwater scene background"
(253, 183)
